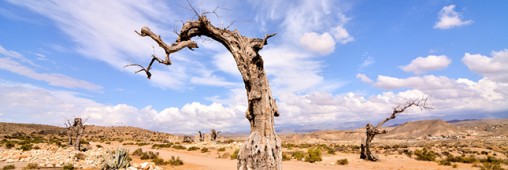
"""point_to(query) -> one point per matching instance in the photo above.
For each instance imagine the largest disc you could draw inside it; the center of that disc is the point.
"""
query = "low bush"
(165, 145)
(235, 154)
(26, 147)
(9, 145)
(159, 161)
(342, 161)
(286, 156)
(138, 152)
(68, 167)
(179, 147)
(80, 156)
(193, 148)
(203, 150)
(444, 162)
(222, 149)
(425, 155)
(298, 155)
(98, 146)
(313, 155)
(149, 155)
(175, 161)
(8, 167)
(31, 166)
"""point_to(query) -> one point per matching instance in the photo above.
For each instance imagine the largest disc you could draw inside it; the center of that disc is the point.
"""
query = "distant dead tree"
(372, 131)
(214, 134)
(201, 136)
(76, 129)
(262, 149)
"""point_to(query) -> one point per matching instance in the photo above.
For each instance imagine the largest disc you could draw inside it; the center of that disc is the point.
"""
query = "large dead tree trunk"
(262, 149)
(371, 131)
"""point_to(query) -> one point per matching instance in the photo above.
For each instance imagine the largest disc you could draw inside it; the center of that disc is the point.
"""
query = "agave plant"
(116, 160)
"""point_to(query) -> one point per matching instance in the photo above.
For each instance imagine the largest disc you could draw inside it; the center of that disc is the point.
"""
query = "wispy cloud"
(449, 18)
(9, 62)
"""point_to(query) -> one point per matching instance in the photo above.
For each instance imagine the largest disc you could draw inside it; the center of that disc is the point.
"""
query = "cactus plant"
(118, 159)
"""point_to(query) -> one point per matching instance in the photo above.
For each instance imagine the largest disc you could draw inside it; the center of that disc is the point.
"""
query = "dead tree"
(201, 136)
(214, 134)
(75, 129)
(262, 149)
(187, 139)
(371, 131)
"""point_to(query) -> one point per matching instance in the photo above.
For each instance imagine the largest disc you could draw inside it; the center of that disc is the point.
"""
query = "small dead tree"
(76, 129)
(372, 131)
(262, 149)
(214, 134)
(201, 136)
(188, 139)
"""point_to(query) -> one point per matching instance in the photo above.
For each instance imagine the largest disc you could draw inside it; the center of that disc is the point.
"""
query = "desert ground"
(429, 144)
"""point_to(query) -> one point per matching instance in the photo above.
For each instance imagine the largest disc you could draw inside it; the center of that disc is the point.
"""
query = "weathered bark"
(262, 148)
(371, 131)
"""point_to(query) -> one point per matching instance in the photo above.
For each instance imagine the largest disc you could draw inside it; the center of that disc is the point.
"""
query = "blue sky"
(332, 65)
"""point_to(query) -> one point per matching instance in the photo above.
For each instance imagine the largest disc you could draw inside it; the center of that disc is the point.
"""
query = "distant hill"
(484, 127)
(418, 129)
(91, 131)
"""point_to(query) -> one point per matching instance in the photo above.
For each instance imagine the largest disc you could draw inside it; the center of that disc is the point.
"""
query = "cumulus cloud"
(449, 18)
(341, 35)
(322, 44)
(429, 63)
(495, 67)
(363, 78)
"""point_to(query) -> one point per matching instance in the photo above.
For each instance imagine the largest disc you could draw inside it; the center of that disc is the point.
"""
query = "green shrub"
(68, 167)
(313, 155)
(159, 161)
(342, 161)
(31, 166)
(175, 161)
(425, 155)
(138, 152)
(7, 167)
(203, 150)
(193, 148)
(9, 145)
(149, 155)
(298, 155)
(222, 149)
(235, 154)
(26, 147)
(179, 147)
(445, 162)
(286, 156)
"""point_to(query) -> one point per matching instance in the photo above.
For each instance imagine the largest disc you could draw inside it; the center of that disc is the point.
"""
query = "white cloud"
(449, 18)
(322, 44)
(341, 34)
(429, 63)
(9, 62)
(495, 67)
(363, 78)
(367, 62)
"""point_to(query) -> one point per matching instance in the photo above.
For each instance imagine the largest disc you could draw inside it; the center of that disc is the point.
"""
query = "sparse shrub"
(36, 147)
(142, 143)
(491, 166)
(138, 152)
(444, 162)
(235, 154)
(31, 166)
(108, 143)
(175, 161)
(80, 156)
(9, 145)
(8, 167)
(203, 150)
(149, 155)
(286, 157)
(165, 145)
(98, 146)
(222, 149)
(455, 166)
(159, 161)
(68, 167)
(425, 155)
(179, 147)
(298, 155)
(462, 159)
(193, 148)
(342, 161)
(26, 147)
(313, 155)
